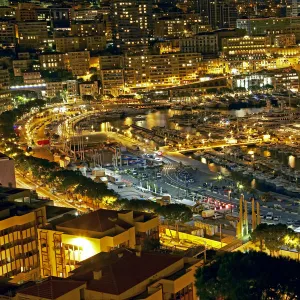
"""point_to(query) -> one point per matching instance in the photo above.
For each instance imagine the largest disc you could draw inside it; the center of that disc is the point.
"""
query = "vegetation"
(274, 237)
(254, 275)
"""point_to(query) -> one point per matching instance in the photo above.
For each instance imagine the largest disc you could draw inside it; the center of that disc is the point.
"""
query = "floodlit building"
(79, 62)
(122, 274)
(247, 47)
(132, 22)
(20, 218)
(63, 244)
(170, 69)
(204, 43)
(53, 61)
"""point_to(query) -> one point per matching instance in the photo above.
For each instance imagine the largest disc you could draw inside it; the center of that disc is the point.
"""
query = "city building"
(7, 170)
(112, 81)
(282, 79)
(87, 28)
(53, 61)
(4, 79)
(270, 26)
(151, 71)
(69, 43)
(7, 34)
(245, 48)
(122, 274)
(53, 89)
(285, 40)
(20, 218)
(66, 242)
(25, 12)
(204, 43)
(292, 8)
(131, 24)
(21, 65)
(32, 78)
(88, 88)
(32, 34)
(79, 62)
(217, 13)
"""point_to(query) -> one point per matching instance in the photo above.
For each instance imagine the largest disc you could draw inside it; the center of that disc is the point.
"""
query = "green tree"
(254, 275)
(273, 236)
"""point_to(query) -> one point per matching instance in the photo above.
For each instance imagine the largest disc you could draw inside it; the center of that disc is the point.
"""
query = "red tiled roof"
(123, 273)
(100, 220)
(52, 288)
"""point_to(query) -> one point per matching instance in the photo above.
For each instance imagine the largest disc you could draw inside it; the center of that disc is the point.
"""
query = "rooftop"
(52, 288)
(115, 264)
(102, 220)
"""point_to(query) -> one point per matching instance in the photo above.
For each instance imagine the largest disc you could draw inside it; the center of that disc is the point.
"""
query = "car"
(289, 222)
(269, 216)
(276, 218)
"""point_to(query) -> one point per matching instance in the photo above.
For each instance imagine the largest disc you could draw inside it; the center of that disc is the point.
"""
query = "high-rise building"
(292, 8)
(132, 23)
(217, 13)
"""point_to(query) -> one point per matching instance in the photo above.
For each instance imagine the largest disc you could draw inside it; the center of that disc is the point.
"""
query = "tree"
(273, 236)
(254, 275)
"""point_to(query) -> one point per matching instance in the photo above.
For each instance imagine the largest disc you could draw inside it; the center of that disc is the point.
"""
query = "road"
(44, 192)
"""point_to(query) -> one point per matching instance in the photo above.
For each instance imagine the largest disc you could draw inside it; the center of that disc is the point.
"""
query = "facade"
(245, 47)
(285, 40)
(4, 79)
(79, 62)
(53, 61)
(122, 274)
(292, 8)
(87, 28)
(53, 89)
(89, 89)
(217, 13)
(132, 23)
(21, 65)
(7, 34)
(112, 81)
(204, 43)
(161, 70)
(5, 96)
(18, 237)
(282, 79)
(270, 26)
(80, 43)
(32, 34)
(7, 173)
(79, 238)
(32, 78)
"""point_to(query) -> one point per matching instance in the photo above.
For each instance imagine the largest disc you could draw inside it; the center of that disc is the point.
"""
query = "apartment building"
(122, 274)
(21, 65)
(20, 218)
(53, 89)
(87, 28)
(204, 43)
(89, 88)
(146, 71)
(69, 44)
(5, 95)
(112, 81)
(243, 48)
(270, 26)
(66, 242)
(7, 34)
(32, 78)
(79, 62)
(53, 61)
(32, 34)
